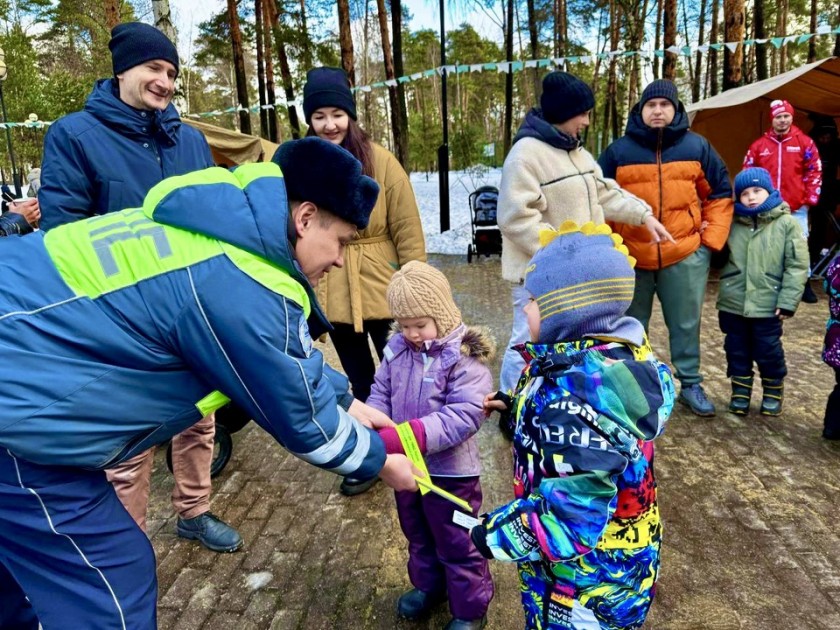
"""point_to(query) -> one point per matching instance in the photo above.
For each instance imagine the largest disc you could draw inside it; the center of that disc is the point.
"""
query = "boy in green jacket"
(760, 286)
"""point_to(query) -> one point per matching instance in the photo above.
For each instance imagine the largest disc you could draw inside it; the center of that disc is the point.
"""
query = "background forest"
(255, 54)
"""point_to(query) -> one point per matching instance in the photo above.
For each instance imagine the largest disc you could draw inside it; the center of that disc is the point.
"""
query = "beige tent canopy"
(231, 147)
(733, 119)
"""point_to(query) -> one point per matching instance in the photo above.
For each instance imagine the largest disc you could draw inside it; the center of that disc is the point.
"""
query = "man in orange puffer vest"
(686, 184)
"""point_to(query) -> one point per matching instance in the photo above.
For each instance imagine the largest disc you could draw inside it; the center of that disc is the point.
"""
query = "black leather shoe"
(415, 603)
(350, 486)
(466, 624)
(210, 531)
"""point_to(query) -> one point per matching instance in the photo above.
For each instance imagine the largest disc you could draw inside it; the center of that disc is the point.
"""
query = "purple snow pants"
(441, 555)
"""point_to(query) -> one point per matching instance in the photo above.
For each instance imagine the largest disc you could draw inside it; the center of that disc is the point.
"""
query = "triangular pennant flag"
(451, 69)
(659, 53)
(531, 63)
(476, 67)
(503, 67)
(365, 88)
(462, 68)
(490, 66)
(673, 49)
(790, 39)
(416, 76)
(391, 83)
(749, 42)
(703, 49)
(403, 80)
(824, 29)
(378, 84)
(804, 38)
(543, 63)
(777, 41)
(686, 50)
(716, 46)
(431, 72)
(731, 46)
(558, 61)
(601, 56)
(763, 40)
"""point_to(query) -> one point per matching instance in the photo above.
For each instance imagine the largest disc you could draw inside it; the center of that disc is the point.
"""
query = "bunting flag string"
(505, 67)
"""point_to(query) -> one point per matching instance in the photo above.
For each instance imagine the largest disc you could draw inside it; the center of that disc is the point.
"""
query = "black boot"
(739, 404)
(809, 297)
(772, 396)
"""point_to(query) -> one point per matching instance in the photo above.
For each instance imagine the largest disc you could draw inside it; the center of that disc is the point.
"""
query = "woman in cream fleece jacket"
(547, 178)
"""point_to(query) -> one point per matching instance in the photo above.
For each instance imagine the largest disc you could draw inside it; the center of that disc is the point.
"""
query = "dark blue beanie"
(327, 87)
(662, 88)
(760, 178)
(564, 96)
(319, 171)
(134, 43)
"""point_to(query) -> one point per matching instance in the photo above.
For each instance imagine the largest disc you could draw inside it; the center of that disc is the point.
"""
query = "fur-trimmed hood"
(476, 342)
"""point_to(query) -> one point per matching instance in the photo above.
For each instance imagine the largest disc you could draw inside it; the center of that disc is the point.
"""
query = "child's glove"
(393, 445)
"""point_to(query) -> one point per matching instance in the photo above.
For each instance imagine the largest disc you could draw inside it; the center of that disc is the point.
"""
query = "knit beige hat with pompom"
(420, 290)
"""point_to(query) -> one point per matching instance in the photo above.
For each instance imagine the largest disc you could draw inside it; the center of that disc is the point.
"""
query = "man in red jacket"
(793, 161)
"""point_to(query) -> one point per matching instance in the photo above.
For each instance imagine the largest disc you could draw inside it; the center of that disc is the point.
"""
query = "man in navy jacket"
(106, 158)
(143, 321)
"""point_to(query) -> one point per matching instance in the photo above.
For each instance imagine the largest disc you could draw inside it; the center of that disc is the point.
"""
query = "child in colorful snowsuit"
(434, 376)
(831, 352)
(760, 286)
(584, 527)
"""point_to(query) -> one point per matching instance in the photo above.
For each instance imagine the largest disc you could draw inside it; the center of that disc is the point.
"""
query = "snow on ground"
(461, 184)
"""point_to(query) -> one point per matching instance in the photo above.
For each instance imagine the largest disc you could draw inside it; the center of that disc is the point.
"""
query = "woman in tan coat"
(353, 296)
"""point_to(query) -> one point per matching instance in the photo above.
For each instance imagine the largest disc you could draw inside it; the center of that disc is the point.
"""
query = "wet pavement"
(749, 508)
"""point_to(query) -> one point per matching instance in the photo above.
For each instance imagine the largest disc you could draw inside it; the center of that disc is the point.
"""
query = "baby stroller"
(486, 236)
(229, 420)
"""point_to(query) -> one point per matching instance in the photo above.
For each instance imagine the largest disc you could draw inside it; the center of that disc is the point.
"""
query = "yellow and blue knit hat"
(583, 281)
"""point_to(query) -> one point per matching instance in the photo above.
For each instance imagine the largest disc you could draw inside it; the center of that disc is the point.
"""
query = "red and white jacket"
(793, 163)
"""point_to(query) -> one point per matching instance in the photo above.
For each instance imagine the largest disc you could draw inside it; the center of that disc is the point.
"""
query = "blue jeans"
(512, 362)
(68, 544)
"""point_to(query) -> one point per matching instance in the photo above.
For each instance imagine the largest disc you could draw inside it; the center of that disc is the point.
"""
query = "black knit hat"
(662, 88)
(134, 43)
(319, 171)
(564, 96)
(327, 87)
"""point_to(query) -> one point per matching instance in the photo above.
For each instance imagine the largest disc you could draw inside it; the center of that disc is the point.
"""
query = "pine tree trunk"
(285, 73)
(239, 68)
(669, 25)
(592, 139)
(713, 53)
(812, 43)
(389, 73)
(782, 7)
(402, 114)
(345, 39)
(162, 15)
(306, 43)
(112, 13)
(271, 97)
(760, 33)
(657, 43)
(610, 129)
(733, 15)
(258, 24)
(534, 44)
(507, 134)
(561, 28)
(698, 59)
(637, 32)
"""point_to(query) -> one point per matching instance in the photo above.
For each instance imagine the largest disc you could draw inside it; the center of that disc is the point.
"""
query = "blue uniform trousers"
(68, 544)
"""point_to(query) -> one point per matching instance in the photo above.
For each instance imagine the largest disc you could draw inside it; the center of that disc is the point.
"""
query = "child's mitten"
(393, 445)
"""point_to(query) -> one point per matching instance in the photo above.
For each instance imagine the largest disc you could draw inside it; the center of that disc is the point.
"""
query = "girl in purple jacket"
(434, 376)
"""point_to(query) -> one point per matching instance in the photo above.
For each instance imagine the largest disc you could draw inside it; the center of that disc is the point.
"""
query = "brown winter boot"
(773, 396)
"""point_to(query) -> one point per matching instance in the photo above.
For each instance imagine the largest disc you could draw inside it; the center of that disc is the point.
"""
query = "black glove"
(478, 535)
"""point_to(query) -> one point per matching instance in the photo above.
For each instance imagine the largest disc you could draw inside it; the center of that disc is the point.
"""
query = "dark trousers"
(354, 352)
(753, 339)
(831, 423)
(70, 546)
(441, 555)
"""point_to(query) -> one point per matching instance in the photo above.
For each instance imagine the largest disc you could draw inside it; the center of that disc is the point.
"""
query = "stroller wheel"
(469, 254)
(222, 450)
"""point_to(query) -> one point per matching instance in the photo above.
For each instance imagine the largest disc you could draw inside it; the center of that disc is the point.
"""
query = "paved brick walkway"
(749, 506)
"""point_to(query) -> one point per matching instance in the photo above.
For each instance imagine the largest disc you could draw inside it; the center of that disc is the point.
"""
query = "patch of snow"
(461, 184)
(256, 581)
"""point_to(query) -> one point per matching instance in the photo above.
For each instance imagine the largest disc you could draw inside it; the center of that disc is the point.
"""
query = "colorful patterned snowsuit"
(584, 526)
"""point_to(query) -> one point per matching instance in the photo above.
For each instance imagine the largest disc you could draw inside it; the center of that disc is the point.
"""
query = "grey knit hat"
(583, 282)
